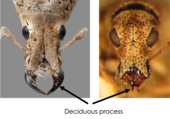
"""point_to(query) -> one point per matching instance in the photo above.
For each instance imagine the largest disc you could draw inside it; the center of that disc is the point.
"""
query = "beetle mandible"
(43, 27)
(134, 30)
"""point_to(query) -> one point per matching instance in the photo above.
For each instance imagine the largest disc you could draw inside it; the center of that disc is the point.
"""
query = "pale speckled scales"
(48, 15)
(37, 11)
(59, 8)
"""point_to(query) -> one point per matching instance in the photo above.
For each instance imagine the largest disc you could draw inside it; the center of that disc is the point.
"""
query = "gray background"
(76, 59)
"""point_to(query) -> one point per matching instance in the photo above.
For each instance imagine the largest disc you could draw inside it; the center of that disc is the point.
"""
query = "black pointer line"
(126, 90)
(63, 88)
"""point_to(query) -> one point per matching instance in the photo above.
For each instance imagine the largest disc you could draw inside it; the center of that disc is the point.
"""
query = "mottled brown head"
(134, 32)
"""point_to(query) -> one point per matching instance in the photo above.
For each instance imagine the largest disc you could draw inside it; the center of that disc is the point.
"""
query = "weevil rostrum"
(133, 29)
(43, 27)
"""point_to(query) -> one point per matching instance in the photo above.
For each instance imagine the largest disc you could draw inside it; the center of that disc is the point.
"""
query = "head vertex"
(58, 8)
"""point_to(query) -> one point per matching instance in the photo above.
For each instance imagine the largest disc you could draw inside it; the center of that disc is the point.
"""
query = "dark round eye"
(152, 38)
(25, 32)
(114, 37)
(62, 32)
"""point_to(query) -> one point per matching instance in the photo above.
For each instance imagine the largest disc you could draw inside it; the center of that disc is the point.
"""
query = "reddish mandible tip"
(134, 77)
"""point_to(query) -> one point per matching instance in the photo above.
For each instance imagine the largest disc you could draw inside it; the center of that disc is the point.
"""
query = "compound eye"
(152, 38)
(62, 32)
(25, 32)
(114, 37)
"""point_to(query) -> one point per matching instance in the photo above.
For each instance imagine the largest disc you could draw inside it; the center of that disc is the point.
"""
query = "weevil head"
(43, 27)
(134, 51)
(134, 31)
(43, 34)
